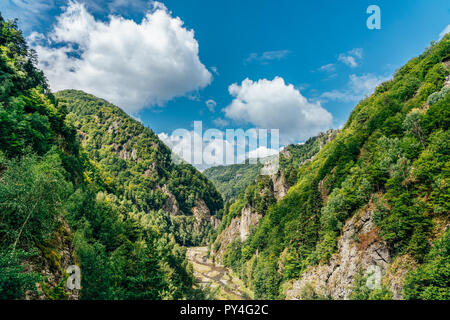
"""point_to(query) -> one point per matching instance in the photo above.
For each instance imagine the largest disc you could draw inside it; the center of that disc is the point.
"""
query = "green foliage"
(133, 162)
(14, 281)
(431, 280)
(361, 291)
(31, 195)
(232, 256)
(108, 194)
(438, 96)
(231, 180)
(392, 154)
(293, 156)
(266, 280)
(260, 195)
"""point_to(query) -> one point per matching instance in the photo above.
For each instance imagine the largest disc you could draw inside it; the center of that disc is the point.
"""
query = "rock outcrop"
(249, 219)
(52, 263)
(203, 215)
(280, 187)
(231, 232)
(171, 203)
(360, 250)
(239, 228)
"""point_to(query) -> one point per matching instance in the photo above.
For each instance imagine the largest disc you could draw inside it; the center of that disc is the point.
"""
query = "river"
(218, 277)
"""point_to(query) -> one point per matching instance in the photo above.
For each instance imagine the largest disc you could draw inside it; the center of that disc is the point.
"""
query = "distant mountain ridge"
(231, 180)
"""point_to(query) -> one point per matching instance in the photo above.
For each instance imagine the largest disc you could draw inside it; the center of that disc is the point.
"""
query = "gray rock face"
(239, 228)
(248, 220)
(359, 250)
(203, 215)
(171, 203)
(447, 80)
(215, 222)
(201, 210)
(280, 187)
(226, 237)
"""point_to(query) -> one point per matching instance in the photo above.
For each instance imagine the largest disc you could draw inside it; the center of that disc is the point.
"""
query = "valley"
(361, 212)
(221, 280)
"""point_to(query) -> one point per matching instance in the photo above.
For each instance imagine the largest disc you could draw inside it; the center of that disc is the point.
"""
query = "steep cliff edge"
(360, 252)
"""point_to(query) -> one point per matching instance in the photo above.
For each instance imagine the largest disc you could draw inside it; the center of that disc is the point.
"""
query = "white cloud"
(220, 122)
(261, 152)
(272, 104)
(328, 68)
(357, 88)
(267, 56)
(164, 137)
(211, 152)
(357, 52)
(210, 104)
(133, 65)
(444, 32)
(350, 58)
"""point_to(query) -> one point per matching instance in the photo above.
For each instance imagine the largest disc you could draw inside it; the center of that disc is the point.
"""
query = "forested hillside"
(231, 180)
(242, 213)
(137, 166)
(366, 218)
(107, 210)
(356, 213)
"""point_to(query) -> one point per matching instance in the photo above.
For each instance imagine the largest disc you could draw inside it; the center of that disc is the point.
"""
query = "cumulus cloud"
(210, 152)
(267, 56)
(444, 32)
(134, 65)
(210, 104)
(351, 57)
(272, 104)
(357, 88)
(215, 147)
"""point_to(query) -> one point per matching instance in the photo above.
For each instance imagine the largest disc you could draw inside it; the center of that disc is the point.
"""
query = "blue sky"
(322, 48)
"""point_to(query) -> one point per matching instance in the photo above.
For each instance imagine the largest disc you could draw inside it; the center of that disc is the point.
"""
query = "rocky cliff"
(360, 252)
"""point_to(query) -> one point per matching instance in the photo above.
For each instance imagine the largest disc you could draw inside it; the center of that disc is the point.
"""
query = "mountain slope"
(60, 207)
(137, 165)
(231, 180)
(370, 207)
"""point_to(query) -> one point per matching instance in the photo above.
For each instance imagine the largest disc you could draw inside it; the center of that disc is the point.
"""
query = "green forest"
(392, 155)
(64, 198)
(83, 183)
